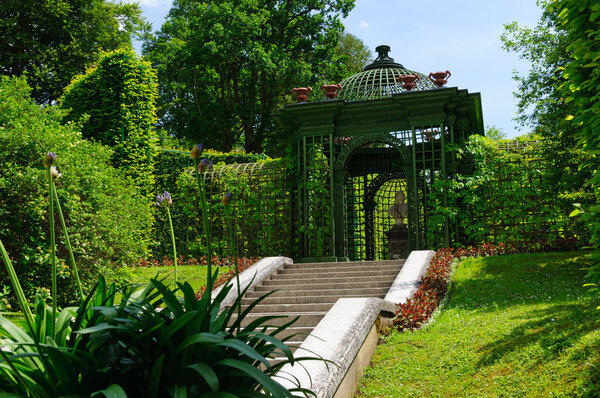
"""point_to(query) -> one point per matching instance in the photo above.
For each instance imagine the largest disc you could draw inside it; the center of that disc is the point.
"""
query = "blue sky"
(462, 36)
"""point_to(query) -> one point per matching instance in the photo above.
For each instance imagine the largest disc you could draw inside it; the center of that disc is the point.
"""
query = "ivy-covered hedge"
(109, 221)
(512, 196)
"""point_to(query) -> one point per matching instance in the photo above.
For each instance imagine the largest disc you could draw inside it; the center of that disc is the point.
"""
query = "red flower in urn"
(301, 93)
(440, 78)
(409, 81)
(331, 90)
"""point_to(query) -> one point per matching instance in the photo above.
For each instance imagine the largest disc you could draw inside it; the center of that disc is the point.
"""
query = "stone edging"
(407, 281)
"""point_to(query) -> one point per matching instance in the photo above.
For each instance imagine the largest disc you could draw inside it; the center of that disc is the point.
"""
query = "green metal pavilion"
(353, 154)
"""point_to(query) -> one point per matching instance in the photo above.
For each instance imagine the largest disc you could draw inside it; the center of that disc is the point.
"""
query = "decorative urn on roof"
(331, 90)
(301, 93)
(440, 78)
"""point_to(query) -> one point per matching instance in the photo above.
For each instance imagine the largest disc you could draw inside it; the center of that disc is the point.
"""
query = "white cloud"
(155, 3)
(363, 25)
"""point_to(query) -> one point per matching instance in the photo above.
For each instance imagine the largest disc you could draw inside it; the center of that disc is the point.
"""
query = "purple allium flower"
(197, 151)
(164, 200)
(49, 159)
(204, 165)
(226, 198)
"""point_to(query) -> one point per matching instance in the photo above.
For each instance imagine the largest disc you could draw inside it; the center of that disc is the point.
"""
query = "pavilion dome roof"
(380, 79)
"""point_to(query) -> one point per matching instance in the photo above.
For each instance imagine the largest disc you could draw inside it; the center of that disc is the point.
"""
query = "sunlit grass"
(515, 326)
(195, 275)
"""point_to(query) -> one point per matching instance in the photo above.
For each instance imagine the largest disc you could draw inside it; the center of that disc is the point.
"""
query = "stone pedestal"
(398, 241)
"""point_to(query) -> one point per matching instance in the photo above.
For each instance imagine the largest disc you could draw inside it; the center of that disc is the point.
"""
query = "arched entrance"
(371, 169)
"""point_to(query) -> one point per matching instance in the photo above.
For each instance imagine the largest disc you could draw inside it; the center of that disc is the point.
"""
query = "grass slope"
(514, 326)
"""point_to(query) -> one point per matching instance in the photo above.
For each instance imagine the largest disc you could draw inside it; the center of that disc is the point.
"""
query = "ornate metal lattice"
(380, 80)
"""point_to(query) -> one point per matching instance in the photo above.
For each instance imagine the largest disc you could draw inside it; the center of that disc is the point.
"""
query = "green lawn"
(194, 274)
(514, 326)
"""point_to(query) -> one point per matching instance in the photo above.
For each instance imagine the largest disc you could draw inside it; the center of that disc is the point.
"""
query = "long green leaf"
(154, 378)
(200, 338)
(180, 392)
(14, 280)
(276, 389)
(207, 373)
(113, 391)
(244, 349)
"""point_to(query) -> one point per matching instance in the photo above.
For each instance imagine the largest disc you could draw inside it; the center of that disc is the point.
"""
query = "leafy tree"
(580, 22)
(495, 133)
(541, 103)
(51, 41)
(351, 56)
(115, 104)
(225, 66)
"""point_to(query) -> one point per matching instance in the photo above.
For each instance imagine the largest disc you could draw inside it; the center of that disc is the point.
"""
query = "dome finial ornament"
(382, 52)
(383, 60)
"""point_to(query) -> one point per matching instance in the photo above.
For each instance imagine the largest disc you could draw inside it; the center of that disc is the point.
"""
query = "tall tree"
(542, 106)
(224, 66)
(51, 41)
(580, 20)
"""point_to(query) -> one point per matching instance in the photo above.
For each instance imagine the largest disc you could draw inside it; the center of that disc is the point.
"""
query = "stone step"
(305, 307)
(344, 264)
(357, 291)
(320, 297)
(296, 333)
(325, 286)
(305, 319)
(299, 273)
(321, 282)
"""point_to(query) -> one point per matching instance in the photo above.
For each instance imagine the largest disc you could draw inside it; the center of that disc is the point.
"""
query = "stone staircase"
(309, 290)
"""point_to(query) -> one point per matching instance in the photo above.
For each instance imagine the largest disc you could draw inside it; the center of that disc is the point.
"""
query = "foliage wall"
(109, 221)
(512, 196)
(259, 204)
(580, 22)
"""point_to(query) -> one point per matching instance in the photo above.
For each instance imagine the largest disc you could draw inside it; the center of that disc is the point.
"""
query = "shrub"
(151, 344)
(108, 219)
(115, 103)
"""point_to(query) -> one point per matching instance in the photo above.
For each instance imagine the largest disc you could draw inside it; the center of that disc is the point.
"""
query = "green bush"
(109, 221)
(115, 102)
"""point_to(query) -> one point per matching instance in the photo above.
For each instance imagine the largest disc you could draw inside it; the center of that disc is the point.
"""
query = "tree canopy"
(51, 41)
(226, 66)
